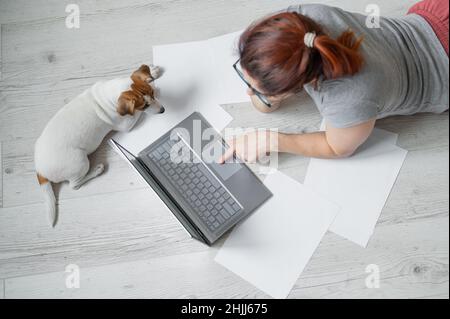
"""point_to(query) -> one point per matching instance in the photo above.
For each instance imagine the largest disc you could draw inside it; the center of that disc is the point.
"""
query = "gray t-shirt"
(406, 69)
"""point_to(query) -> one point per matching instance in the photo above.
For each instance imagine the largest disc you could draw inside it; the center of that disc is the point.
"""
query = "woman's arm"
(334, 143)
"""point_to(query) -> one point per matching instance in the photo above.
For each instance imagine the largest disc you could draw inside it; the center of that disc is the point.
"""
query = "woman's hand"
(251, 147)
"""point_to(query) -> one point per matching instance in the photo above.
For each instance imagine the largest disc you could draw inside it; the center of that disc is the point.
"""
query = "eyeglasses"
(261, 96)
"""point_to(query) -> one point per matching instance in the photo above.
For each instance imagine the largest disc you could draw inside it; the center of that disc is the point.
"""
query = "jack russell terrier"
(77, 130)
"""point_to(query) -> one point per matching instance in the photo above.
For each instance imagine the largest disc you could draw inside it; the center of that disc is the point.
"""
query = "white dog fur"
(77, 130)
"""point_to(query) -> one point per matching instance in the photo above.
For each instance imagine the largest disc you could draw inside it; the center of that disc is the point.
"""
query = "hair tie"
(309, 39)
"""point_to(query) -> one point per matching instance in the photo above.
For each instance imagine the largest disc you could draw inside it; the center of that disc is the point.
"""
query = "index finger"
(229, 153)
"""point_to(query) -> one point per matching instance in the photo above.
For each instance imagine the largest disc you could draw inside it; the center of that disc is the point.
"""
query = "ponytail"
(340, 57)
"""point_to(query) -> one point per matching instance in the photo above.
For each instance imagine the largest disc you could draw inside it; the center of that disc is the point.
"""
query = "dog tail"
(50, 200)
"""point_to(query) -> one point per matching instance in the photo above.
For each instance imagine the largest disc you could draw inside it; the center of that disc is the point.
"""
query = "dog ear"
(145, 69)
(126, 105)
(143, 74)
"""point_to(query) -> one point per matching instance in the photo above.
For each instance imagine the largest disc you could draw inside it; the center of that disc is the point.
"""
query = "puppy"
(78, 128)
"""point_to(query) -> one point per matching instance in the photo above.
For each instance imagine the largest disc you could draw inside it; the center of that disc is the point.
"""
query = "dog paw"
(155, 71)
(99, 169)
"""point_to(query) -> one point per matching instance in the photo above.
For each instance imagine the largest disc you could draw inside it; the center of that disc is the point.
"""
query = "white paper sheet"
(187, 85)
(360, 184)
(272, 247)
(224, 51)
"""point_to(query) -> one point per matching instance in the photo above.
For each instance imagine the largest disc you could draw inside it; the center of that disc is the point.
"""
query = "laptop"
(207, 198)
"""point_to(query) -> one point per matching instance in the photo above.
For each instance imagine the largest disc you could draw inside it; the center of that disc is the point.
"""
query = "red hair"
(273, 52)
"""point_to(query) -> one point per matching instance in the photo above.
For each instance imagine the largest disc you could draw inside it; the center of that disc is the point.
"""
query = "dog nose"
(162, 110)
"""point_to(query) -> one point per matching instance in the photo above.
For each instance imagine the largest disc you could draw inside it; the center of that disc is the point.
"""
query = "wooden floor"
(116, 230)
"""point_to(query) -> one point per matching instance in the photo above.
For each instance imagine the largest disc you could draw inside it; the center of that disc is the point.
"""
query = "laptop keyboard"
(198, 186)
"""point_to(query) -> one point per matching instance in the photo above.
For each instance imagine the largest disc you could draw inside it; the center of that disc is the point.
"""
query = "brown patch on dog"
(143, 73)
(41, 179)
(133, 100)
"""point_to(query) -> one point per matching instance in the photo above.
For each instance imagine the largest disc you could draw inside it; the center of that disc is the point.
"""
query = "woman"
(354, 74)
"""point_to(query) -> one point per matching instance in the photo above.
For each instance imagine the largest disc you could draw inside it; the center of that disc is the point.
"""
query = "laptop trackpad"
(211, 155)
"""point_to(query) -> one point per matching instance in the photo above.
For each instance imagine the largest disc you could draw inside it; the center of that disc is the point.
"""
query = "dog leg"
(97, 171)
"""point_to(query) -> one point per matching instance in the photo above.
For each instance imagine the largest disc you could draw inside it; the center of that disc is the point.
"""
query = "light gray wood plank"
(1, 52)
(95, 230)
(421, 190)
(413, 264)
(21, 11)
(412, 257)
(182, 276)
(1, 175)
(2, 289)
